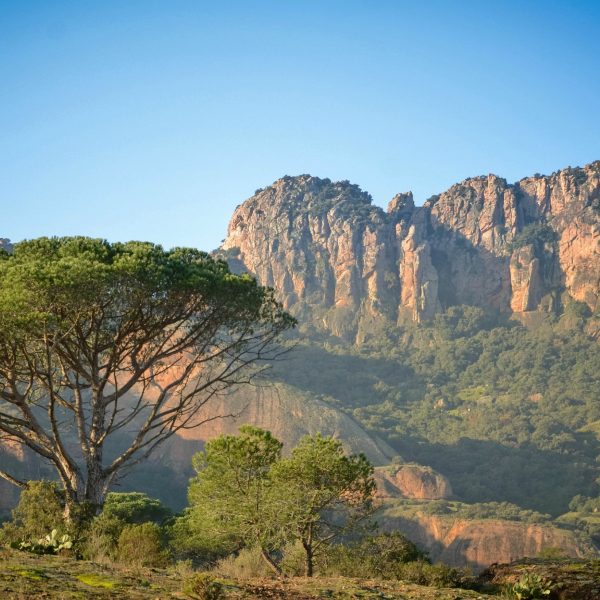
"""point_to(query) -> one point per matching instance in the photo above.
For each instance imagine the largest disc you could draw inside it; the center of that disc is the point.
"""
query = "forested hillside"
(507, 413)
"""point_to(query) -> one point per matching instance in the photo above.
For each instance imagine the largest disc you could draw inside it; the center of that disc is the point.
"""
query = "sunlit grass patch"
(95, 580)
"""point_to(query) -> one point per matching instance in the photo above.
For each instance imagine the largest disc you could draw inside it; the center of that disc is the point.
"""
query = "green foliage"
(102, 538)
(248, 563)
(504, 412)
(135, 507)
(576, 309)
(584, 504)
(76, 311)
(537, 234)
(323, 493)
(52, 543)
(499, 510)
(380, 556)
(246, 495)
(231, 498)
(204, 586)
(439, 575)
(530, 586)
(142, 546)
(39, 510)
(463, 321)
(552, 553)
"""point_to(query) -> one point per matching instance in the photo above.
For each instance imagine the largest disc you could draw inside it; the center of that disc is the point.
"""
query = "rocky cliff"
(341, 263)
(481, 542)
(411, 481)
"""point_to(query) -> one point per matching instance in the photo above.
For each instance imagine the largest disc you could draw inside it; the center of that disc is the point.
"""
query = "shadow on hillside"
(352, 380)
(486, 471)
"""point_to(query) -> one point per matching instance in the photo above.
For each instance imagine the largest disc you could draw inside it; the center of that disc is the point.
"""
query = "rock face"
(286, 412)
(341, 263)
(479, 543)
(412, 481)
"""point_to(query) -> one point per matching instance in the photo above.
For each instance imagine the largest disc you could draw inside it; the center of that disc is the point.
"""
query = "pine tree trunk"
(308, 564)
(272, 564)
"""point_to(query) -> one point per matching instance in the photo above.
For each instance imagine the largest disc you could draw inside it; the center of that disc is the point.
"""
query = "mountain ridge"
(337, 259)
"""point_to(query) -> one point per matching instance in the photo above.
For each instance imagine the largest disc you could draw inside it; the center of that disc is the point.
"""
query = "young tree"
(120, 343)
(232, 498)
(323, 493)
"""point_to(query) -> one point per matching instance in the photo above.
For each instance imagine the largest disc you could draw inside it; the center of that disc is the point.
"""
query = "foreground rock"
(566, 580)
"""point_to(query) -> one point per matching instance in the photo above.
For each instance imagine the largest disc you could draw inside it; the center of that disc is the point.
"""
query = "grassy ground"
(24, 576)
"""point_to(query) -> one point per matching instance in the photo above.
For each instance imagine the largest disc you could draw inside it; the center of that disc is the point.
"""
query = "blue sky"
(153, 120)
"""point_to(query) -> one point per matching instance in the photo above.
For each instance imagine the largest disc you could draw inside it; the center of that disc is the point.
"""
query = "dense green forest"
(507, 413)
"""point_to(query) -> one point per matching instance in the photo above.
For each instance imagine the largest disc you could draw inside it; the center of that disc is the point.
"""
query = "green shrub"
(293, 561)
(379, 556)
(424, 573)
(553, 553)
(102, 538)
(530, 587)
(537, 234)
(135, 507)
(204, 586)
(246, 564)
(141, 546)
(39, 511)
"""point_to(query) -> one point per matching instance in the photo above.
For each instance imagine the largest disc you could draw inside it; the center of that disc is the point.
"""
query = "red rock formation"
(479, 543)
(339, 262)
(412, 481)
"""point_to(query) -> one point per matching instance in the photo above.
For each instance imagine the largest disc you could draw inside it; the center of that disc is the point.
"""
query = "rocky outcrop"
(576, 579)
(411, 481)
(286, 412)
(479, 543)
(340, 263)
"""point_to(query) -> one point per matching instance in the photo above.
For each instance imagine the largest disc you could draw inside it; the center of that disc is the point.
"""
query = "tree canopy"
(327, 493)
(116, 346)
(234, 503)
(247, 495)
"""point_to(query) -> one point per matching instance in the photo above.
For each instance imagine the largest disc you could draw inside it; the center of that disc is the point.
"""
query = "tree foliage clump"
(135, 508)
(233, 504)
(117, 346)
(246, 495)
(325, 493)
(377, 556)
(39, 511)
(142, 546)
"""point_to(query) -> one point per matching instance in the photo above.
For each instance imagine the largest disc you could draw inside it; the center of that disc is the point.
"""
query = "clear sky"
(154, 119)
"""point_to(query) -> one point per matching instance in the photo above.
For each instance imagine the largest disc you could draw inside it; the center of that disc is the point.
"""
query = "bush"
(39, 511)
(247, 564)
(141, 546)
(293, 562)
(381, 556)
(536, 234)
(102, 538)
(530, 587)
(204, 586)
(135, 507)
(424, 573)
(188, 542)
